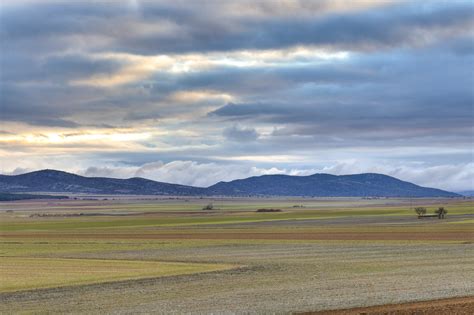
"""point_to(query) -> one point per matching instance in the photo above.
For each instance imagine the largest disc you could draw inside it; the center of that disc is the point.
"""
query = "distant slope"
(326, 185)
(14, 197)
(317, 185)
(57, 181)
(467, 193)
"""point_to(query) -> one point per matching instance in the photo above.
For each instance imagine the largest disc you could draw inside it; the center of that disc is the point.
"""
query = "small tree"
(420, 211)
(210, 206)
(441, 212)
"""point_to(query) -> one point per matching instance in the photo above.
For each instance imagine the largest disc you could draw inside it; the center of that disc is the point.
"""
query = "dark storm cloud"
(211, 26)
(50, 122)
(13, 109)
(352, 116)
(33, 20)
(408, 89)
(252, 110)
(56, 68)
(43, 105)
(260, 80)
(77, 66)
(403, 74)
(390, 26)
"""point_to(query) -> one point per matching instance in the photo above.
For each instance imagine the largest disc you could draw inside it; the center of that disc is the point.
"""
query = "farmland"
(142, 254)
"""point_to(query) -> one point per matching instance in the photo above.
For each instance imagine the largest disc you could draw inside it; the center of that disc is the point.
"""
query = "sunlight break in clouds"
(256, 86)
(138, 67)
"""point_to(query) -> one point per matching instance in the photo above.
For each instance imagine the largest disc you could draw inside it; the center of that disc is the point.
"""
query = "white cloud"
(450, 177)
(189, 172)
(453, 177)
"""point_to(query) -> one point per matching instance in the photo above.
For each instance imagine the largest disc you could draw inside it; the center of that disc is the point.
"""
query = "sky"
(196, 92)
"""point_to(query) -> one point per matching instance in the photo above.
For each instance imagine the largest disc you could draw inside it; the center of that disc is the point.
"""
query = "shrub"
(268, 210)
(210, 206)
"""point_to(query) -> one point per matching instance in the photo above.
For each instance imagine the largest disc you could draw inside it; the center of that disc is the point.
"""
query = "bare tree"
(441, 212)
(420, 211)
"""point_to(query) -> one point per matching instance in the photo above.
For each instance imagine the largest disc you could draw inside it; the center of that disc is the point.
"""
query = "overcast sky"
(195, 92)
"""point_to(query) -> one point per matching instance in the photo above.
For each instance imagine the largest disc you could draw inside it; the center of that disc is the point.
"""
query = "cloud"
(71, 67)
(298, 61)
(18, 171)
(238, 133)
(112, 172)
(166, 27)
(188, 172)
(182, 172)
(290, 85)
(453, 177)
(403, 24)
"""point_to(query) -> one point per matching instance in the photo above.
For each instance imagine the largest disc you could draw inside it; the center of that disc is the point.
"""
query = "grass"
(23, 273)
(281, 275)
(64, 247)
(166, 218)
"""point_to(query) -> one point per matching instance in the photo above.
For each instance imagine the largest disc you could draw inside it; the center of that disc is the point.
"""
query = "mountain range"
(317, 185)
(467, 193)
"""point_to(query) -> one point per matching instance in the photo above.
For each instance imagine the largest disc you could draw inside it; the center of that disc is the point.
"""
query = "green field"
(169, 255)
(26, 273)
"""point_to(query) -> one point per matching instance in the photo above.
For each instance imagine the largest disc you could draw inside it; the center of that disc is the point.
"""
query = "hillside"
(14, 197)
(58, 181)
(326, 185)
(317, 185)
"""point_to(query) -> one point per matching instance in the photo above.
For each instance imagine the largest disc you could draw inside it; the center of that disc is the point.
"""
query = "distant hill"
(14, 197)
(58, 181)
(326, 185)
(467, 193)
(317, 185)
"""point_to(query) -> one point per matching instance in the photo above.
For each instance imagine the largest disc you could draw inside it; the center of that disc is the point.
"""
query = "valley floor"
(328, 254)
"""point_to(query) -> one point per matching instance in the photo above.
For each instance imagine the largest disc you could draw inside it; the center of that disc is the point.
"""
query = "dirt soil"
(457, 306)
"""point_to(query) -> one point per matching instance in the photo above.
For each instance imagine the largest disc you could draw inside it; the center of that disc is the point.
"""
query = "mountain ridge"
(315, 185)
(328, 185)
(59, 181)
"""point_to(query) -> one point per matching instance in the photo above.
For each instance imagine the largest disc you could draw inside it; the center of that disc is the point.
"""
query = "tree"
(210, 206)
(441, 212)
(420, 211)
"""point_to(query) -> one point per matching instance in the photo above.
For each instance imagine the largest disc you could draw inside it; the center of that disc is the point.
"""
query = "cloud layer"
(228, 89)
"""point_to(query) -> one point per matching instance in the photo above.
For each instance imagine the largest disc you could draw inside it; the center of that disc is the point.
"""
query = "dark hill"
(467, 193)
(326, 185)
(14, 197)
(317, 185)
(57, 181)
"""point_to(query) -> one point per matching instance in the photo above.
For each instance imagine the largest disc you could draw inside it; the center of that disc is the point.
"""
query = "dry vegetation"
(26, 273)
(328, 254)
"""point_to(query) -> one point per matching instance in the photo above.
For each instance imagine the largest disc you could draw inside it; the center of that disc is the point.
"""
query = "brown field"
(297, 236)
(458, 306)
